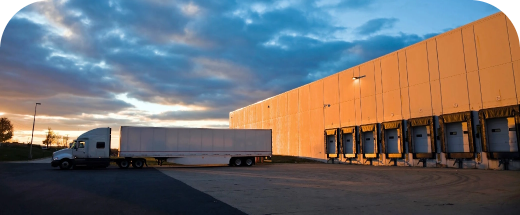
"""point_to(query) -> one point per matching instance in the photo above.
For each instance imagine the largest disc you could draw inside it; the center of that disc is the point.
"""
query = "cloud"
(218, 56)
(375, 25)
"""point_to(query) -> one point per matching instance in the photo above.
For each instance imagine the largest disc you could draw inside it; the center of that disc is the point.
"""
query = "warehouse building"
(449, 101)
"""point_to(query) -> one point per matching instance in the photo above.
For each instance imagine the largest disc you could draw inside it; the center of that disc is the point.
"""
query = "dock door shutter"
(400, 137)
(364, 129)
(430, 134)
(467, 133)
(348, 133)
(331, 143)
(490, 117)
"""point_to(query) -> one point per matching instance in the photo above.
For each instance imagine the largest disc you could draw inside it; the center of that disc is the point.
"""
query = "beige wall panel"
(253, 113)
(368, 110)
(367, 84)
(492, 41)
(475, 96)
(317, 129)
(405, 102)
(513, 40)
(498, 86)
(347, 86)
(417, 64)
(258, 108)
(331, 89)
(470, 52)
(276, 135)
(433, 63)
(266, 124)
(392, 105)
(273, 107)
(282, 104)
(347, 113)
(239, 116)
(436, 97)
(435, 84)
(332, 116)
(292, 138)
(266, 110)
(390, 72)
(304, 134)
(420, 100)
(379, 90)
(292, 102)
(451, 54)
(403, 75)
(454, 94)
(357, 106)
(379, 107)
(304, 98)
(247, 115)
(403, 71)
(516, 69)
(316, 91)
(284, 133)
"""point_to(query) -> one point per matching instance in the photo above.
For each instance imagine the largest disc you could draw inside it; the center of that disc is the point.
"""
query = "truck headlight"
(55, 158)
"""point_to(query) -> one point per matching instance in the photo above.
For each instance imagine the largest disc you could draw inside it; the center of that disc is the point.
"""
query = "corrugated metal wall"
(472, 67)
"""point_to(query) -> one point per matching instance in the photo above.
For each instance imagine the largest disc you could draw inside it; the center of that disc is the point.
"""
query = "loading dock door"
(502, 134)
(331, 144)
(421, 139)
(348, 144)
(393, 141)
(369, 143)
(457, 137)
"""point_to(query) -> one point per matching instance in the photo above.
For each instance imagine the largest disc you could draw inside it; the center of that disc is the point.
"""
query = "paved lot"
(263, 189)
(41, 189)
(351, 189)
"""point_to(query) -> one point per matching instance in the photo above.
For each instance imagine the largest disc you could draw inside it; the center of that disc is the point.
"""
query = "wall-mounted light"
(326, 105)
(358, 77)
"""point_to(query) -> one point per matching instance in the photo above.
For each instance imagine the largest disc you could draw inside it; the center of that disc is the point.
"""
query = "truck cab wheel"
(137, 163)
(65, 164)
(237, 162)
(249, 162)
(123, 164)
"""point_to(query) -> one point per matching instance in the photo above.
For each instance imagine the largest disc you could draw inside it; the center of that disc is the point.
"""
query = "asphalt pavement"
(40, 189)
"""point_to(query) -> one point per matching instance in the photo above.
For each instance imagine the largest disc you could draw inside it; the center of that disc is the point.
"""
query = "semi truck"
(187, 146)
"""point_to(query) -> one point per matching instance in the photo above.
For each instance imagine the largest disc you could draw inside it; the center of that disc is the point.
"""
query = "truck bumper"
(55, 163)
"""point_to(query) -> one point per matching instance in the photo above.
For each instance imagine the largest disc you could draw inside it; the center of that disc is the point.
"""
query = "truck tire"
(249, 161)
(138, 163)
(65, 164)
(123, 164)
(237, 162)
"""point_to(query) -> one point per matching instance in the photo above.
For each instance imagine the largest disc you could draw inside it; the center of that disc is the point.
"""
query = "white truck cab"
(90, 149)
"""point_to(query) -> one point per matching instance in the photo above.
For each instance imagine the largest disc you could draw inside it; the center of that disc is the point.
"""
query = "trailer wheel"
(65, 164)
(137, 163)
(249, 162)
(237, 162)
(123, 164)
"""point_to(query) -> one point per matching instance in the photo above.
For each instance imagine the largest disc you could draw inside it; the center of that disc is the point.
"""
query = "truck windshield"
(73, 145)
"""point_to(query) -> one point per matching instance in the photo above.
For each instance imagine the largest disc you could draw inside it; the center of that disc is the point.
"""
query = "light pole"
(32, 134)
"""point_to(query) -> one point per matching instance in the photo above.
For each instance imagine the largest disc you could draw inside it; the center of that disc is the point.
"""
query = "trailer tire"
(65, 164)
(249, 162)
(237, 162)
(137, 163)
(123, 164)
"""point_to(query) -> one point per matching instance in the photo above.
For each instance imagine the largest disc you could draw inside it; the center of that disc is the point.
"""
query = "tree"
(50, 138)
(6, 129)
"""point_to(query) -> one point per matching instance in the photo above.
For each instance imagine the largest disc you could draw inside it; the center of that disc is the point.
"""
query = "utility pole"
(32, 134)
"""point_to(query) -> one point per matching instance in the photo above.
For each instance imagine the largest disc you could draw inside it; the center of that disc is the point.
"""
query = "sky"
(189, 63)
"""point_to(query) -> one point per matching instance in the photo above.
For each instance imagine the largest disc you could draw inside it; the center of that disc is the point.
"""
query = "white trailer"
(189, 146)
